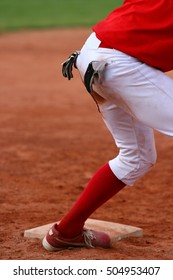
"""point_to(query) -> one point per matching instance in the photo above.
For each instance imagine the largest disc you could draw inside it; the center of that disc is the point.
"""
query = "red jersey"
(143, 29)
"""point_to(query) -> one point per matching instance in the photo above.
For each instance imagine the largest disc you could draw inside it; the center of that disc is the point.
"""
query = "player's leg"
(137, 155)
(102, 186)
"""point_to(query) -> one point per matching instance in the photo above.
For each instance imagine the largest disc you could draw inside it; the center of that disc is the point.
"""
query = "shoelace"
(88, 237)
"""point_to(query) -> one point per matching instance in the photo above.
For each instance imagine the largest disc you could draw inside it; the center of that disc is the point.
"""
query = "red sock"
(102, 186)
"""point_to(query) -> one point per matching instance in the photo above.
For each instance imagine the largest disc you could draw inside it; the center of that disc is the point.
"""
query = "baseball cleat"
(54, 241)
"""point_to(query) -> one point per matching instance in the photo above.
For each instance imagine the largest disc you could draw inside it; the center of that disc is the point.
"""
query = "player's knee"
(129, 171)
(145, 165)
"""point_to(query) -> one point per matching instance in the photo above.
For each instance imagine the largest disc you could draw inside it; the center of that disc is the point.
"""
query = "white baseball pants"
(137, 99)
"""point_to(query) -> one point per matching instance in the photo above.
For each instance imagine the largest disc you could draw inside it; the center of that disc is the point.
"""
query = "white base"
(116, 231)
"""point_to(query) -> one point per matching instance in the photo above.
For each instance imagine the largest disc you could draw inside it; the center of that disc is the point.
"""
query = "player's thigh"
(143, 92)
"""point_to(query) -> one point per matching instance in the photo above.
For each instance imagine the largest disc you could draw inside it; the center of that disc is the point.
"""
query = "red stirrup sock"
(102, 186)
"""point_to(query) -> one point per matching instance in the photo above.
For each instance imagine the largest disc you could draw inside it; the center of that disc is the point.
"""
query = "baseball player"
(122, 65)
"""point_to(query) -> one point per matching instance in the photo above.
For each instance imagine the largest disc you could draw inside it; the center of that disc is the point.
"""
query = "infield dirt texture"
(52, 140)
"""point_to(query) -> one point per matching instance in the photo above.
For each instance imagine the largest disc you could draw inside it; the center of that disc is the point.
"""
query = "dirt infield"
(52, 140)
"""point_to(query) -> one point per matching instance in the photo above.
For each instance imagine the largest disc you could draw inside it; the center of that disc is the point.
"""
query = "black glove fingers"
(67, 66)
(89, 77)
(69, 69)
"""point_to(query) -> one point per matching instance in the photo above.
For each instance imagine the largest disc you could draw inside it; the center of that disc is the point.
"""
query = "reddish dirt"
(52, 139)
